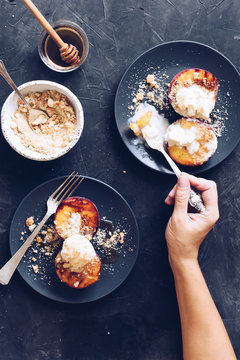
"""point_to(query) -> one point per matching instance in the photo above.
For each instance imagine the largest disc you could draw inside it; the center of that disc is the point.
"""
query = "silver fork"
(64, 190)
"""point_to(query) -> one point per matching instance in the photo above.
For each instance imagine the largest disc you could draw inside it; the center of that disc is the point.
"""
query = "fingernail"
(183, 181)
(168, 197)
(172, 193)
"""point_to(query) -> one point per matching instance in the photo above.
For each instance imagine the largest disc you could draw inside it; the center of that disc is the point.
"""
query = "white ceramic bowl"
(10, 106)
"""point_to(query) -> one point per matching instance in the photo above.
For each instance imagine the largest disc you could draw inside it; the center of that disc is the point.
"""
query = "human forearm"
(203, 332)
(204, 335)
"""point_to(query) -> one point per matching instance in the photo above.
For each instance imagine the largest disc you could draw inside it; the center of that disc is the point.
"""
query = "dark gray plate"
(171, 58)
(110, 204)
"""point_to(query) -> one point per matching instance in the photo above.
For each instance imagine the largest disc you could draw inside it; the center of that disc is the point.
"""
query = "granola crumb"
(38, 240)
(35, 268)
(29, 221)
(32, 227)
(139, 96)
(150, 96)
(150, 79)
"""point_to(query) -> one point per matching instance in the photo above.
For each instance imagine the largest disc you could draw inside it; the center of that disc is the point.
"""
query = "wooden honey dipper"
(68, 52)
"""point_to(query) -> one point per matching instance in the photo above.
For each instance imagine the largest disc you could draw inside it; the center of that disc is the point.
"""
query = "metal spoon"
(195, 199)
(33, 114)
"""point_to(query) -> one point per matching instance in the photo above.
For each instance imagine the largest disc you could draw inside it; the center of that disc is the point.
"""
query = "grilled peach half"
(78, 280)
(202, 80)
(195, 76)
(200, 151)
(64, 217)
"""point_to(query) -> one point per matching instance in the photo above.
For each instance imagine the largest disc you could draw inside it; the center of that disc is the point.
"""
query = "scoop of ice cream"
(179, 136)
(77, 251)
(194, 101)
(148, 123)
(193, 135)
(71, 227)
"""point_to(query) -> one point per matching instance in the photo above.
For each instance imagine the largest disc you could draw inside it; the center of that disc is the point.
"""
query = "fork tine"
(60, 187)
(67, 194)
(70, 179)
(76, 187)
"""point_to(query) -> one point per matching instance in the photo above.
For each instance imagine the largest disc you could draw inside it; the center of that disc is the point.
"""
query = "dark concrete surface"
(140, 319)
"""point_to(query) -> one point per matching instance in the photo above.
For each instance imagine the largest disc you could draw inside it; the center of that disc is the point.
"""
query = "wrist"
(180, 265)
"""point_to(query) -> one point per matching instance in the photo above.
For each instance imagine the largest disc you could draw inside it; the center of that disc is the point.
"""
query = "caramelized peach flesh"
(181, 155)
(88, 214)
(194, 76)
(88, 276)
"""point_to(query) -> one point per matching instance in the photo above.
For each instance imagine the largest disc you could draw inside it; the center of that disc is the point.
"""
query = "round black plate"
(171, 58)
(111, 205)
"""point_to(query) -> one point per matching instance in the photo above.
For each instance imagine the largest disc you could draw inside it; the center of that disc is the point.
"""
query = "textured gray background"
(140, 319)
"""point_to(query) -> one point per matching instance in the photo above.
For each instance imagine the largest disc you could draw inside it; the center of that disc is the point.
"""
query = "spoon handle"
(195, 199)
(45, 24)
(7, 77)
(174, 167)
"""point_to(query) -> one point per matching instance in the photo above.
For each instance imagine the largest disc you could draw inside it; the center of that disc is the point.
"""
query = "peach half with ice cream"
(77, 264)
(193, 93)
(76, 221)
(190, 142)
(76, 215)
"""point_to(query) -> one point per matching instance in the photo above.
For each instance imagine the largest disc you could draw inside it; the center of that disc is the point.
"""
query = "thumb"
(182, 194)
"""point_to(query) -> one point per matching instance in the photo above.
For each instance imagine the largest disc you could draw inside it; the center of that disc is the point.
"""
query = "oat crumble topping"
(49, 135)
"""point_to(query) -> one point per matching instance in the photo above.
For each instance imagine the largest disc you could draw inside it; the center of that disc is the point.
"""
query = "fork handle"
(7, 271)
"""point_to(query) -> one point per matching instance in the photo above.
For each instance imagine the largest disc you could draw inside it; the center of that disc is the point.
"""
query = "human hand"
(186, 231)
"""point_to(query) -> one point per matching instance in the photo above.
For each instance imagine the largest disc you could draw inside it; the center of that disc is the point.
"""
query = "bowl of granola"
(49, 137)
